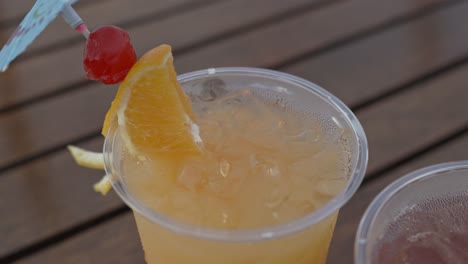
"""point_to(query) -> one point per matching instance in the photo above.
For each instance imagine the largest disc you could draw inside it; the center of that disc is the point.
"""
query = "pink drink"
(420, 218)
(435, 231)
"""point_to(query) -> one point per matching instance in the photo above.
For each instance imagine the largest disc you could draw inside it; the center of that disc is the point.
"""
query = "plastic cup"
(420, 218)
(305, 240)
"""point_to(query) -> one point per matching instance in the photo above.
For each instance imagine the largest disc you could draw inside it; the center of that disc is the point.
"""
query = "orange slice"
(153, 113)
(94, 160)
(103, 186)
(86, 158)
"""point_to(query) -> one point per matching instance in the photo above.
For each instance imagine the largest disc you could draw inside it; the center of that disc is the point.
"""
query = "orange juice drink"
(270, 159)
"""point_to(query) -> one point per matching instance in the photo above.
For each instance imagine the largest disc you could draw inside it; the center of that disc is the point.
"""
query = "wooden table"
(401, 65)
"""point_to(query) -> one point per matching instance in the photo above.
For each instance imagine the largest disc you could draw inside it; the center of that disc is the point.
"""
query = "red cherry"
(108, 55)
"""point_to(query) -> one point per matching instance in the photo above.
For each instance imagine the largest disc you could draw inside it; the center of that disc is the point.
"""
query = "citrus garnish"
(153, 113)
(94, 160)
(103, 186)
(86, 158)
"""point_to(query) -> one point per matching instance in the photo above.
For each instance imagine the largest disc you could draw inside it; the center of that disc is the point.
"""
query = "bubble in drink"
(434, 231)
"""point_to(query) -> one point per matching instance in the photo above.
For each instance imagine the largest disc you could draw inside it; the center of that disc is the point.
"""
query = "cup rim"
(377, 204)
(262, 233)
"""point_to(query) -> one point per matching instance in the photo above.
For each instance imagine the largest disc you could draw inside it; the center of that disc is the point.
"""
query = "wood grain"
(14, 11)
(407, 122)
(48, 196)
(113, 242)
(309, 31)
(110, 12)
(29, 131)
(390, 59)
(26, 80)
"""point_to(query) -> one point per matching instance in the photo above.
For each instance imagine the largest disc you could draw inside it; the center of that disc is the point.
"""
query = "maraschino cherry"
(108, 55)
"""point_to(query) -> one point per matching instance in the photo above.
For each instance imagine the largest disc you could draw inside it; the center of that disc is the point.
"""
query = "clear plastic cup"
(304, 240)
(420, 218)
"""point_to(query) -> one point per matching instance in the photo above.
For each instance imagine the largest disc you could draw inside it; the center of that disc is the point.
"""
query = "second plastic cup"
(420, 218)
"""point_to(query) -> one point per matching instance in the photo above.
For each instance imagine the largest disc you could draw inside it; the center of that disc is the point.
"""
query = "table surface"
(400, 65)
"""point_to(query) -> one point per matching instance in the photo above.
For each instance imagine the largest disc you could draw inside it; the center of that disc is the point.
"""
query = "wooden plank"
(282, 41)
(64, 68)
(56, 122)
(395, 127)
(47, 196)
(123, 12)
(409, 121)
(11, 12)
(220, 20)
(118, 243)
(341, 250)
(390, 58)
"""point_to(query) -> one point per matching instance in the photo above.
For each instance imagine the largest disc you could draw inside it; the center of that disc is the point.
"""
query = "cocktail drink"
(240, 166)
(280, 156)
(421, 218)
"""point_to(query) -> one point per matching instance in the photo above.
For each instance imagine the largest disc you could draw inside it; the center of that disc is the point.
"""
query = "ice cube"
(192, 174)
(228, 179)
(275, 215)
(216, 212)
(237, 99)
(273, 171)
(224, 168)
(184, 206)
(305, 143)
(275, 181)
(195, 171)
(320, 161)
(244, 116)
(211, 133)
(307, 135)
(235, 147)
(303, 197)
(189, 179)
(212, 89)
(277, 196)
(330, 187)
